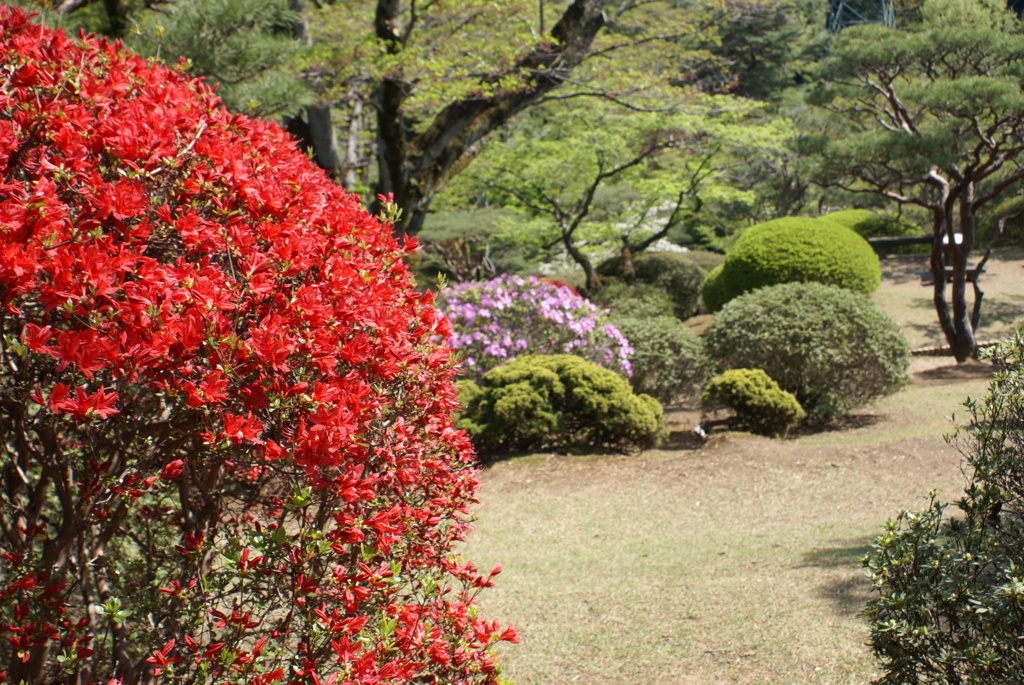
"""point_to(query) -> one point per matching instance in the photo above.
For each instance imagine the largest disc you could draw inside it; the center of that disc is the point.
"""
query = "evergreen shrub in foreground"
(557, 402)
(949, 581)
(828, 346)
(227, 452)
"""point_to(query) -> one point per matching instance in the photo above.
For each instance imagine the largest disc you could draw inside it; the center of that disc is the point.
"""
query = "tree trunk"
(956, 325)
(322, 138)
(415, 170)
(352, 161)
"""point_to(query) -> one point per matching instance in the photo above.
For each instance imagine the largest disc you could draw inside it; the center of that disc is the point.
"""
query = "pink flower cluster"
(495, 321)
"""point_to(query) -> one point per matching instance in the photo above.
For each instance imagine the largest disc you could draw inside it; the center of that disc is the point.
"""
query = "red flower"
(201, 306)
(172, 470)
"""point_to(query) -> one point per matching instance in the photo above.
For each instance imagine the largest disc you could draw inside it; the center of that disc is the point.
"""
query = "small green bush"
(674, 272)
(558, 402)
(668, 359)
(712, 291)
(797, 249)
(637, 300)
(828, 346)
(758, 401)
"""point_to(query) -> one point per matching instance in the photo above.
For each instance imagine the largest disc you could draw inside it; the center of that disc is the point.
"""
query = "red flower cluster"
(227, 452)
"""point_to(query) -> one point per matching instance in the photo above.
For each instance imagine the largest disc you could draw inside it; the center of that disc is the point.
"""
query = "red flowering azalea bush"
(225, 441)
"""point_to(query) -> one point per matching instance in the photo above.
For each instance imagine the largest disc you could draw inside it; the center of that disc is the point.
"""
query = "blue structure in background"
(843, 13)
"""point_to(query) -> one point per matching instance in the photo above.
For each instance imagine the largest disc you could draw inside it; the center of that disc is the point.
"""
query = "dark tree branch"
(416, 170)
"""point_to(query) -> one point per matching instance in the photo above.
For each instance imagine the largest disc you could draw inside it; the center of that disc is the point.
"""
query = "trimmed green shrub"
(712, 291)
(828, 346)
(674, 272)
(949, 596)
(637, 300)
(867, 224)
(797, 249)
(668, 359)
(760, 404)
(558, 402)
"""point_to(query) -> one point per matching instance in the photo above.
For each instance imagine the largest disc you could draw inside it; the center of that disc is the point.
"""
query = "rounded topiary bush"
(828, 346)
(759, 402)
(558, 402)
(227, 449)
(668, 359)
(674, 272)
(496, 321)
(802, 250)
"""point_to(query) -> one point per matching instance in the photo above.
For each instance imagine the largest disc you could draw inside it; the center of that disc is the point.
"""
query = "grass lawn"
(733, 562)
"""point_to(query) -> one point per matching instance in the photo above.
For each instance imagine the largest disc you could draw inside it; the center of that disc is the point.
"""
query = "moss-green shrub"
(760, 404)
(867, 224)
(558, 402)
(674, 272)
(797, 249)
(668, 359)
(705, 259)
(828, 346)
(712, 291)
(637, 300)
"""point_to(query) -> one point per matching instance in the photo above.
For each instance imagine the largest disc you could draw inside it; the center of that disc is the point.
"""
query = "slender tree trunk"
(966, 346)
(323, 138)
(955, 319)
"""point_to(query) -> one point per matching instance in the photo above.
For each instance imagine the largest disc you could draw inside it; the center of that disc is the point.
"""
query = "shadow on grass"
(836, 424)
(682, 440)
(1004, 311)
(846, 587)
(901, 269)
(954, 373)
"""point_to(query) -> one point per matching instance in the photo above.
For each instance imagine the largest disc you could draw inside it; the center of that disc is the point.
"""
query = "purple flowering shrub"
(510, 316)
